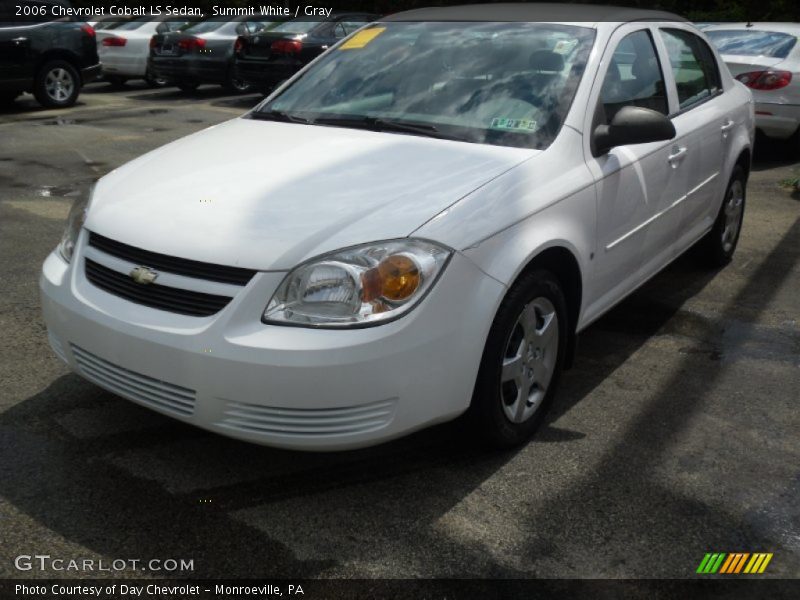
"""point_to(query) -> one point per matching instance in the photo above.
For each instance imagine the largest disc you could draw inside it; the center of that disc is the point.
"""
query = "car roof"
(532, 12)
(793, 28)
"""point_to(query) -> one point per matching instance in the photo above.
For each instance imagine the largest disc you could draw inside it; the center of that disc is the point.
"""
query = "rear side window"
(753, 43)
(693, 65)
(634, 77)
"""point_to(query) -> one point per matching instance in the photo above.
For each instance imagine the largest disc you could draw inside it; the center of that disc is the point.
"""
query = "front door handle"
(19, 41)
(677, 155)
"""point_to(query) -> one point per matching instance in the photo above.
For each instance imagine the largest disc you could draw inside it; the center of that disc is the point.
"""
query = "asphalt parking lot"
(675, 434)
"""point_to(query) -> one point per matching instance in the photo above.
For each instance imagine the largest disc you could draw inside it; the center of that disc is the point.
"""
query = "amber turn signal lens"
(395, 278)
(399, 276)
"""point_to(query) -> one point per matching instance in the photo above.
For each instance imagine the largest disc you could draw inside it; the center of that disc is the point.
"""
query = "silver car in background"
(766, 58)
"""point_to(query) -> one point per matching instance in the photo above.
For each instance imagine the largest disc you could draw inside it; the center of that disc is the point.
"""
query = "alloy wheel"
(734, 203)
(529, 360)
(59, 84)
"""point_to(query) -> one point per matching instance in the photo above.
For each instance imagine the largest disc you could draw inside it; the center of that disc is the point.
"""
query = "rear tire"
(522, 361)
(57, 84)
(719, 244)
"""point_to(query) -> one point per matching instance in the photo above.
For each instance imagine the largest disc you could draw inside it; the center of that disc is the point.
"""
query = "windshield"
(753, 43)
(507, 84)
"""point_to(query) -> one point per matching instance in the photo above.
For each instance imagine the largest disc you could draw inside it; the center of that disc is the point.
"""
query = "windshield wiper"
(277, 115)
(383, 124)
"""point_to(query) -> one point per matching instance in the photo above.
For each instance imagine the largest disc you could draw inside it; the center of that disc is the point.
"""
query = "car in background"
(124, 49)
(766, 58)
(416, 226)
(51, 58)
(203, 52)
(264, 59)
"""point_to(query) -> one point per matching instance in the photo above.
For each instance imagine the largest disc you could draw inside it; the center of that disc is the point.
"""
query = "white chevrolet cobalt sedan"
(415, 226)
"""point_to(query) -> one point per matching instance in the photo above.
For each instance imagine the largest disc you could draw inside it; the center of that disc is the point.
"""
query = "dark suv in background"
(49, 56)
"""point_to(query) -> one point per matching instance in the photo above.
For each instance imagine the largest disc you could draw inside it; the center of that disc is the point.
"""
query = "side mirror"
(632, 125)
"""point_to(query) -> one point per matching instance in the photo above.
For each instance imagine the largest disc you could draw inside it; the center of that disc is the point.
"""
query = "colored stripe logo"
(734, 563)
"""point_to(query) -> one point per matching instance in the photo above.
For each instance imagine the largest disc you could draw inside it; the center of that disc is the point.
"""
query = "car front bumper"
(290, 387)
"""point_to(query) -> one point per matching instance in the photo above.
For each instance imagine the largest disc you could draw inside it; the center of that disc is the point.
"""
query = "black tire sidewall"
(230, 84)
(486, 409)
(714, 246)
(40, 91)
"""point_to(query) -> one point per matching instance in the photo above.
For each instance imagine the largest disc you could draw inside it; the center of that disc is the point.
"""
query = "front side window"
(693, 65)
(752, 43)
(495, 83)
(634, 77)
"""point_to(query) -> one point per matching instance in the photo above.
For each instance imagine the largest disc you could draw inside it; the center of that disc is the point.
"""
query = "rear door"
(703, 122)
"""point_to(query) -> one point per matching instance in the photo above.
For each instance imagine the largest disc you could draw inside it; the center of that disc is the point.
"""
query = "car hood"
(267, 195)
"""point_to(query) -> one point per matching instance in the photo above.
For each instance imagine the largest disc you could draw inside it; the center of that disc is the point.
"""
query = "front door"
(637, 185)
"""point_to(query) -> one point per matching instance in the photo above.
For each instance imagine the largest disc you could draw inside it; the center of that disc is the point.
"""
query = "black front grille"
(175, 300)
(171, 264)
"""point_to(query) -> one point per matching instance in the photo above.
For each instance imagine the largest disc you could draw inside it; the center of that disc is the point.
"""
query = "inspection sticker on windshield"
(362, 38)
(513, 124)
(564, 46)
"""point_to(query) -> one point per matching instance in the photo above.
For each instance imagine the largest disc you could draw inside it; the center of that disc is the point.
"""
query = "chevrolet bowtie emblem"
(143, 275)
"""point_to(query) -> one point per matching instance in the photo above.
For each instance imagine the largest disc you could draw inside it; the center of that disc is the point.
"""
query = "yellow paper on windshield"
(362, 38)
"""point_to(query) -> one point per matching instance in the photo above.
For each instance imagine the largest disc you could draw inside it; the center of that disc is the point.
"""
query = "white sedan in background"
(766, 58)
(124, 49)
(416, 225)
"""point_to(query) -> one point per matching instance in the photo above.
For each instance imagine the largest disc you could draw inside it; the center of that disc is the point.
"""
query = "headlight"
(360, 286)
(77, 215)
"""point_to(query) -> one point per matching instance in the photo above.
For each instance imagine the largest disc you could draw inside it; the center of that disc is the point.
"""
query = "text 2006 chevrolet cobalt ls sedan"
(416, 225)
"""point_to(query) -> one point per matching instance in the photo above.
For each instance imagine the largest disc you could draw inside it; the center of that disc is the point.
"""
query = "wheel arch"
(60, 54)
(563, 264)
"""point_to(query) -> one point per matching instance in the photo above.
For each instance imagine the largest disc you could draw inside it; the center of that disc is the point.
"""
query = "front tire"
(117, 81)
(522, 361)
(237, 85)
(57, 84)
(154, 81)
(720, 243)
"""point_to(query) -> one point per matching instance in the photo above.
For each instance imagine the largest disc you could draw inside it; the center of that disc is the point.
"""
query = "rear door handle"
(677, 154)
(19, 41)
(727, 126)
